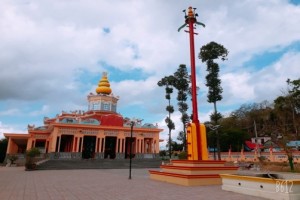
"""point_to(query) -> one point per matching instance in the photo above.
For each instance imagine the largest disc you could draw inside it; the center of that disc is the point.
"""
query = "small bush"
(162, 153)
(182, 155)
(30, 155)
(33, 152)
(12, 158)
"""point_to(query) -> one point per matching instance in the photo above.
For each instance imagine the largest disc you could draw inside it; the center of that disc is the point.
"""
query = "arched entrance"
(88, 148)
(110, 147)
(127, 147)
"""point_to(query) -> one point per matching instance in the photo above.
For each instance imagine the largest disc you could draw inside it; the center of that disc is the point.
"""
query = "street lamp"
(132, 123)
(130, 148)
(214, 128)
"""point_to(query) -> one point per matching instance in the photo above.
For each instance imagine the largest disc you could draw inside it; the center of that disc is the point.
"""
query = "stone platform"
(192, 172)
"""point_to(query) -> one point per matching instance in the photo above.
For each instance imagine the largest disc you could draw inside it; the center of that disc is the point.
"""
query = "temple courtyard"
(99, 184)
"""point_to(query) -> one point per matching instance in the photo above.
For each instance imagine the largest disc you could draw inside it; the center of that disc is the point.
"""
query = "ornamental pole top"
(190, 16)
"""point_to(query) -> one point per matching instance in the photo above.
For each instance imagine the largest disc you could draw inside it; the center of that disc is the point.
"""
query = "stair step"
(185, 179)
(195, 163)
(198, 170)
(98, 164)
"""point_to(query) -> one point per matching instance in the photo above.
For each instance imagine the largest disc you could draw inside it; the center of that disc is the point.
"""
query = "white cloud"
(10, 112)
(263, 84)
(44, 111)
(136, 92)
(269, 82)
(237, 87)
(5, 128)
(248, 28)
(174, 133)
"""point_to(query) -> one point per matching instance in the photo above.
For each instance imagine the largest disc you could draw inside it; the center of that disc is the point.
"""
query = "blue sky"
(52, 54)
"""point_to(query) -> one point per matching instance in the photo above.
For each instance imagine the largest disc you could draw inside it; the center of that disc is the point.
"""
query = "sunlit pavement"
(106, 184)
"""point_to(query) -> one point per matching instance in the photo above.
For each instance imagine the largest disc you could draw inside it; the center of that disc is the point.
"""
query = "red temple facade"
(98, 133)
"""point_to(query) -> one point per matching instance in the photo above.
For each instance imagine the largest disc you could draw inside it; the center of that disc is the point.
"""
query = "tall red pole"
(194, 86)
(193, 71)
(190, 21)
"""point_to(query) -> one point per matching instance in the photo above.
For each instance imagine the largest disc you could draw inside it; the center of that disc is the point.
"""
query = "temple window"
(96, 106)
(106, 106)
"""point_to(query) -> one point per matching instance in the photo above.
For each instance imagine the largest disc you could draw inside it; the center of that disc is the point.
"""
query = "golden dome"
(103, 85)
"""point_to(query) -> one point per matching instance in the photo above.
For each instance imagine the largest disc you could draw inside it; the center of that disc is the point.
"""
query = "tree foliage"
(208, 54)
(180, 80)
(168, 83)
(3, 147)
(181, 83)
(278, 119)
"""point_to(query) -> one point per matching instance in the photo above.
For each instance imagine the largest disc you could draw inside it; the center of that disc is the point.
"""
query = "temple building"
(98, 133)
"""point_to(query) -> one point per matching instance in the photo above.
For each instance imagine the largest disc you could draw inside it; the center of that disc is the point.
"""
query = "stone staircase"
(98, 164)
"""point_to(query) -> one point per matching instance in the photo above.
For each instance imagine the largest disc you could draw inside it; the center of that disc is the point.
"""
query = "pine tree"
(209, 53)
(168, 82)
(181, 83)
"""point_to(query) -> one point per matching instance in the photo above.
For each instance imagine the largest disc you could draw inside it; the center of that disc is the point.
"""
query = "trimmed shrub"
(182, 155)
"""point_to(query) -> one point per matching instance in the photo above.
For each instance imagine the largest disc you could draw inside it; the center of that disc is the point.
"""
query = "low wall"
(269, 186)
(253, 157)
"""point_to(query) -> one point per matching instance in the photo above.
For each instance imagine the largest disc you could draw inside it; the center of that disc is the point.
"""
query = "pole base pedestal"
(192, 173)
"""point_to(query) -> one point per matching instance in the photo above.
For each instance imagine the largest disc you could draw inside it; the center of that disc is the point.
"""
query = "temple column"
(9, 144)
(81, 144)
(103, 145)
(33, 143)
(75, 144)
(59, 140)
(152, 146)
(117, 145)
(96, 145)
(121, 145)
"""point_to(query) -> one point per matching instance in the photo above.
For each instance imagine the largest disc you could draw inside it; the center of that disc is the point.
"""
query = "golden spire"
(103, 85)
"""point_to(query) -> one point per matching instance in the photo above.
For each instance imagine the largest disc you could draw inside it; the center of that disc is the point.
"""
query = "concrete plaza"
(99, 184)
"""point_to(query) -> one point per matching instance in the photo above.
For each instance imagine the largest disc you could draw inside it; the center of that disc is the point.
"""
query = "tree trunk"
(218, 145)
(294, 122)
(217, 133)
(290, 158)
(185, 139)
(170, 155)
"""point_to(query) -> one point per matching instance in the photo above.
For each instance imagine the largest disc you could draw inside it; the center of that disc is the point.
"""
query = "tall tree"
(209, 53)
(3, 148)
(168, 82)
(294, 97)
(283, 114)
(287, 108)
(181, 83)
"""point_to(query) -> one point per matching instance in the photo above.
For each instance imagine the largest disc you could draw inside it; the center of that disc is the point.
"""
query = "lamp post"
(214, 128)
(130, 148)
(132, 123)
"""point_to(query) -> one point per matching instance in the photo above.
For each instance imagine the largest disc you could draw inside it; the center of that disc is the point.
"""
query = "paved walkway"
(100, 184)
